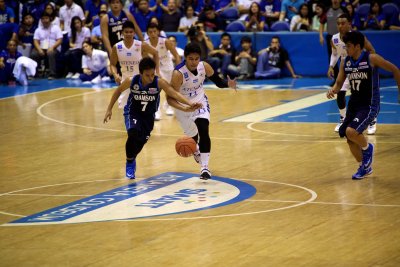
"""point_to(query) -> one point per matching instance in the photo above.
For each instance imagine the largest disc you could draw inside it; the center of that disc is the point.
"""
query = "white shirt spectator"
(48, 37)
(67, 13)
(97, 62)
(80, 37)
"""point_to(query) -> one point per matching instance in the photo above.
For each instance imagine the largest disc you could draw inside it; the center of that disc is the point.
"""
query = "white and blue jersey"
(142, 104)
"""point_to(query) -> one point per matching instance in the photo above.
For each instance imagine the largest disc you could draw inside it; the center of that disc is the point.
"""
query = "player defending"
(142, 104)
(361, 68)
(188, 78)
(339, 52)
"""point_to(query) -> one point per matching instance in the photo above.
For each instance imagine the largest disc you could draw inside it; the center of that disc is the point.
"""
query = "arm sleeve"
(218, 81)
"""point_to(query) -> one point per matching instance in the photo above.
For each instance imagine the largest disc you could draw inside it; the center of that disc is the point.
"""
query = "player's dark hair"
(344, 16)
(146, 64)
(192, 48)
(152, 26)
(355, 38)
(128, 25)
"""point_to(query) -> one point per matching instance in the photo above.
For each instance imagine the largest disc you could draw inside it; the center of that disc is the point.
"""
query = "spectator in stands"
(67, 12)
(225, 54)
(46, 42)
(271, 10)
(36, 8)
(245, 61)
(272, 60)
(171, 17)
(172, 39)
(319, 17)
(142, 14)
(6, 13)
(92, 9)
(375, 19)
(301, 22)
(95, 36)
(51, 10)
(7, 62)
(95, 64)
(289, 9)
(211, 20)
(255, 21)
(188, 20)
(73, 56)
(25, 35)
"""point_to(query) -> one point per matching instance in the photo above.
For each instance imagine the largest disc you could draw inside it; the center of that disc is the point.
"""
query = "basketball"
(185, 146)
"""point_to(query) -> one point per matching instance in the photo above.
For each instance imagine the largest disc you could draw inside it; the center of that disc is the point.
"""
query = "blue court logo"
(164, 194)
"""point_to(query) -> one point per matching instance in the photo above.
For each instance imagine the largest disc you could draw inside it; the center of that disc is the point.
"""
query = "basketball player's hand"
(232, 83)
(107, 117)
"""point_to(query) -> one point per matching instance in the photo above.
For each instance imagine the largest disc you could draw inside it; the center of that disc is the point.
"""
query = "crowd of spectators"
(47, 30)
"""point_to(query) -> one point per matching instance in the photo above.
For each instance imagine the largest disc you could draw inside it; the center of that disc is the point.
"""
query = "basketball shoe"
(362, 172)
(130, 169)
(339, 124)
(205, 174)
(368, 156)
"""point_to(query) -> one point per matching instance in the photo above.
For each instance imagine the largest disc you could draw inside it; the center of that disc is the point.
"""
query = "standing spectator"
(47, 41)
(92, 9)
(245, 60)
(319, 17)
(25, 35)
(225, 54)
(171, 17)
(289, 9)
(7, 63)
(211, 20)
(271, 10)
(95, 64)
(142, 14)
(375, 19)
(6, 13)
(301, 22)
(67, 12)
(51, 10)
(272, 60)
(188, 20)
(73, 56)
(255, 21)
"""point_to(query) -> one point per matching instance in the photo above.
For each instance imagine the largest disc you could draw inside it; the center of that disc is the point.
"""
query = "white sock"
(342, 112)
(205, 157)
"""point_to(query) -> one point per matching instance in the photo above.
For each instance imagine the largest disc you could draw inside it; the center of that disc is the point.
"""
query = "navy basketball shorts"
(143, 124)
(358, 119)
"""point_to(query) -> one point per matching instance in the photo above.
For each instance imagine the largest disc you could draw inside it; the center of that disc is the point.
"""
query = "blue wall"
(307, 56)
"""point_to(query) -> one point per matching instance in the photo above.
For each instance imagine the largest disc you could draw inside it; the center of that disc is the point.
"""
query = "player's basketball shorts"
(186, 119)
(144, 124)
(346, 85)
(358, 119)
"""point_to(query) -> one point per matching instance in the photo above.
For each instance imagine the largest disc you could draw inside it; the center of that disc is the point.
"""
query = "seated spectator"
(25, 35)
(188, 20)
(245, 61)
(92, 9)
(289, 9)
(225, 54)
(271, 10)
(7, 63)
(73, 56)
(47, 44)
(171, 17)
(272, 60)
(319, 17)
(211, 20)
(6, 13)
(95, 64)
(255, 21)
(375, 19)
(154, 20)
(95, 36)
(51, 10)
(301, 22)
(142, 14)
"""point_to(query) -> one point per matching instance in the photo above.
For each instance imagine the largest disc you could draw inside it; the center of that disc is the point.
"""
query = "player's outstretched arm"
(172, 93)
(213, 76)
(339, 82)
(117, 92)
(378, 61)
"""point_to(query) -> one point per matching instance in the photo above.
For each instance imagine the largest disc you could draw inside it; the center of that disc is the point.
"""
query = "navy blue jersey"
(115, 27)
(364, 82)
(143, 100)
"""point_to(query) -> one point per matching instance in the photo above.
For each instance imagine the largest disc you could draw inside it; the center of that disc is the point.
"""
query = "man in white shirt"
(46, 42)
(67, 12)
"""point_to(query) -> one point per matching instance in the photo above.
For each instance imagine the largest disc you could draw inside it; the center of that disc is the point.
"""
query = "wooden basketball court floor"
(306, 211)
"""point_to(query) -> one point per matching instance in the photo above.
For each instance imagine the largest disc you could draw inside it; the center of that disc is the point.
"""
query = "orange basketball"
(185, 146)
